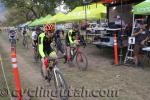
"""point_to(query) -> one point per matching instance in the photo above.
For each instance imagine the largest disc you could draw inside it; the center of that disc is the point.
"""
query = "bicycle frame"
(54, 69)
(24, 38)
(54, 72)
(75, 52)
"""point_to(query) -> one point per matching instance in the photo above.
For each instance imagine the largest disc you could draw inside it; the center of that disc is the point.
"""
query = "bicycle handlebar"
(53, 59)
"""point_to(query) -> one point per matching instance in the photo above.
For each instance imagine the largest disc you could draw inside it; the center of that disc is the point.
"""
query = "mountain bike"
(12, 40)
(36, 54)
(80, 57)
(59, 81)
(25, 41)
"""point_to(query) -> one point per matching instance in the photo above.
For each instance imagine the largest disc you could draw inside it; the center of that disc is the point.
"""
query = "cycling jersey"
(24, 33)
(69, 37)
(44, 45)
(34, 36)
(12, 34)
(34, 39)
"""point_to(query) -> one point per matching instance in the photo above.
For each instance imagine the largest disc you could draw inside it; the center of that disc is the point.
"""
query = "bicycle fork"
(55, 75)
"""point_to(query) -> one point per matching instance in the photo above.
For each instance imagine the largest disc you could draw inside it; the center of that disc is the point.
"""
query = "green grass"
(8, 73)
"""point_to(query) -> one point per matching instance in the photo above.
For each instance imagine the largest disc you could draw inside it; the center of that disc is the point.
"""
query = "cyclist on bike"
(12, 35)
(45, 50)
(72, 39)
(24, 32)
(35, 34)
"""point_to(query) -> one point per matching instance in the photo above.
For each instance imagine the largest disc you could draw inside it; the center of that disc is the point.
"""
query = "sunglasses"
(51, 31)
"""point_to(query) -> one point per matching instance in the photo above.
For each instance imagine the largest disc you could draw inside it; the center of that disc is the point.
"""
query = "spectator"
(118, 22)
(141, 36)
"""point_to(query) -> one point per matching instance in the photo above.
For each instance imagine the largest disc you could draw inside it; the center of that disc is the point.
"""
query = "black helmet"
(75, 26)
(33, 29)
(38, 29)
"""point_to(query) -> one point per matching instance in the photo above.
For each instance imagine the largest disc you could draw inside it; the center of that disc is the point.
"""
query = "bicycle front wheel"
(26, 42)
(13, 45)
(61, 86)
(81, 61)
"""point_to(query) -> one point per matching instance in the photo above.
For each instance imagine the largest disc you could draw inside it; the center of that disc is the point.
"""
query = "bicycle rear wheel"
(61, 86)
(25, 42)
(36, 55)
(13, 45)
(81, 61)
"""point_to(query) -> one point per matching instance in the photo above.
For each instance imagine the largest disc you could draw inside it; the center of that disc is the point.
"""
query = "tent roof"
(45, 19)
(142, 8)
(40, 21)
(25, 24)
(33, 23)
(93, 13)
(56, 18)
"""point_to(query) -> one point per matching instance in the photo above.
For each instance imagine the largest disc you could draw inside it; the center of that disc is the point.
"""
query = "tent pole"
(85, 18)
(133, 24)
(121, 45)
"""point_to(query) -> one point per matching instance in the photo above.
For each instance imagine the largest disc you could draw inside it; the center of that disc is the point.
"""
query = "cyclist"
(12, 35)
(24, 34)
(45, 50)
(35, 34)
(71, 39)
(58, 42)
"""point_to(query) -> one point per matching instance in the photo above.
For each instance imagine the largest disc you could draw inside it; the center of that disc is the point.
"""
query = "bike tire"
(82, 55)
(26, 43)
(62, 92)
(13, 44)
(36, 57)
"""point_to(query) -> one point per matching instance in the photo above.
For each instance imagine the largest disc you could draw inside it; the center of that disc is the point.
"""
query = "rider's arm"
(70, 38)
(41, 46)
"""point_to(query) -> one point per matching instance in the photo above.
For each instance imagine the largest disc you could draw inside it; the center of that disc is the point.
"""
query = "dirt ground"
(129, 83)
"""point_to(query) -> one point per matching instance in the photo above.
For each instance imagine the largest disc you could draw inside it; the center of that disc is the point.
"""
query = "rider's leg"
(44, 68)
(60, 48)
(68, 53)
(52, 55)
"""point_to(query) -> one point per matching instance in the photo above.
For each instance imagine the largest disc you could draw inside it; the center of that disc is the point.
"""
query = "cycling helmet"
(75, 26)
(37, 29)
(49, 27)
(33, 29)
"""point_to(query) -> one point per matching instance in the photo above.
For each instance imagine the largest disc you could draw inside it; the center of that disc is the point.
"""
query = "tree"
(37, 8)
(73, 3)
(15, 18)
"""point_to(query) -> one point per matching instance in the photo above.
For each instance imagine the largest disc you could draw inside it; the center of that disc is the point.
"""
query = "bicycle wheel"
(13, 45)
(81, 61)
(23, 42)
(61, 85)
(26, 42)
(36, 55)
